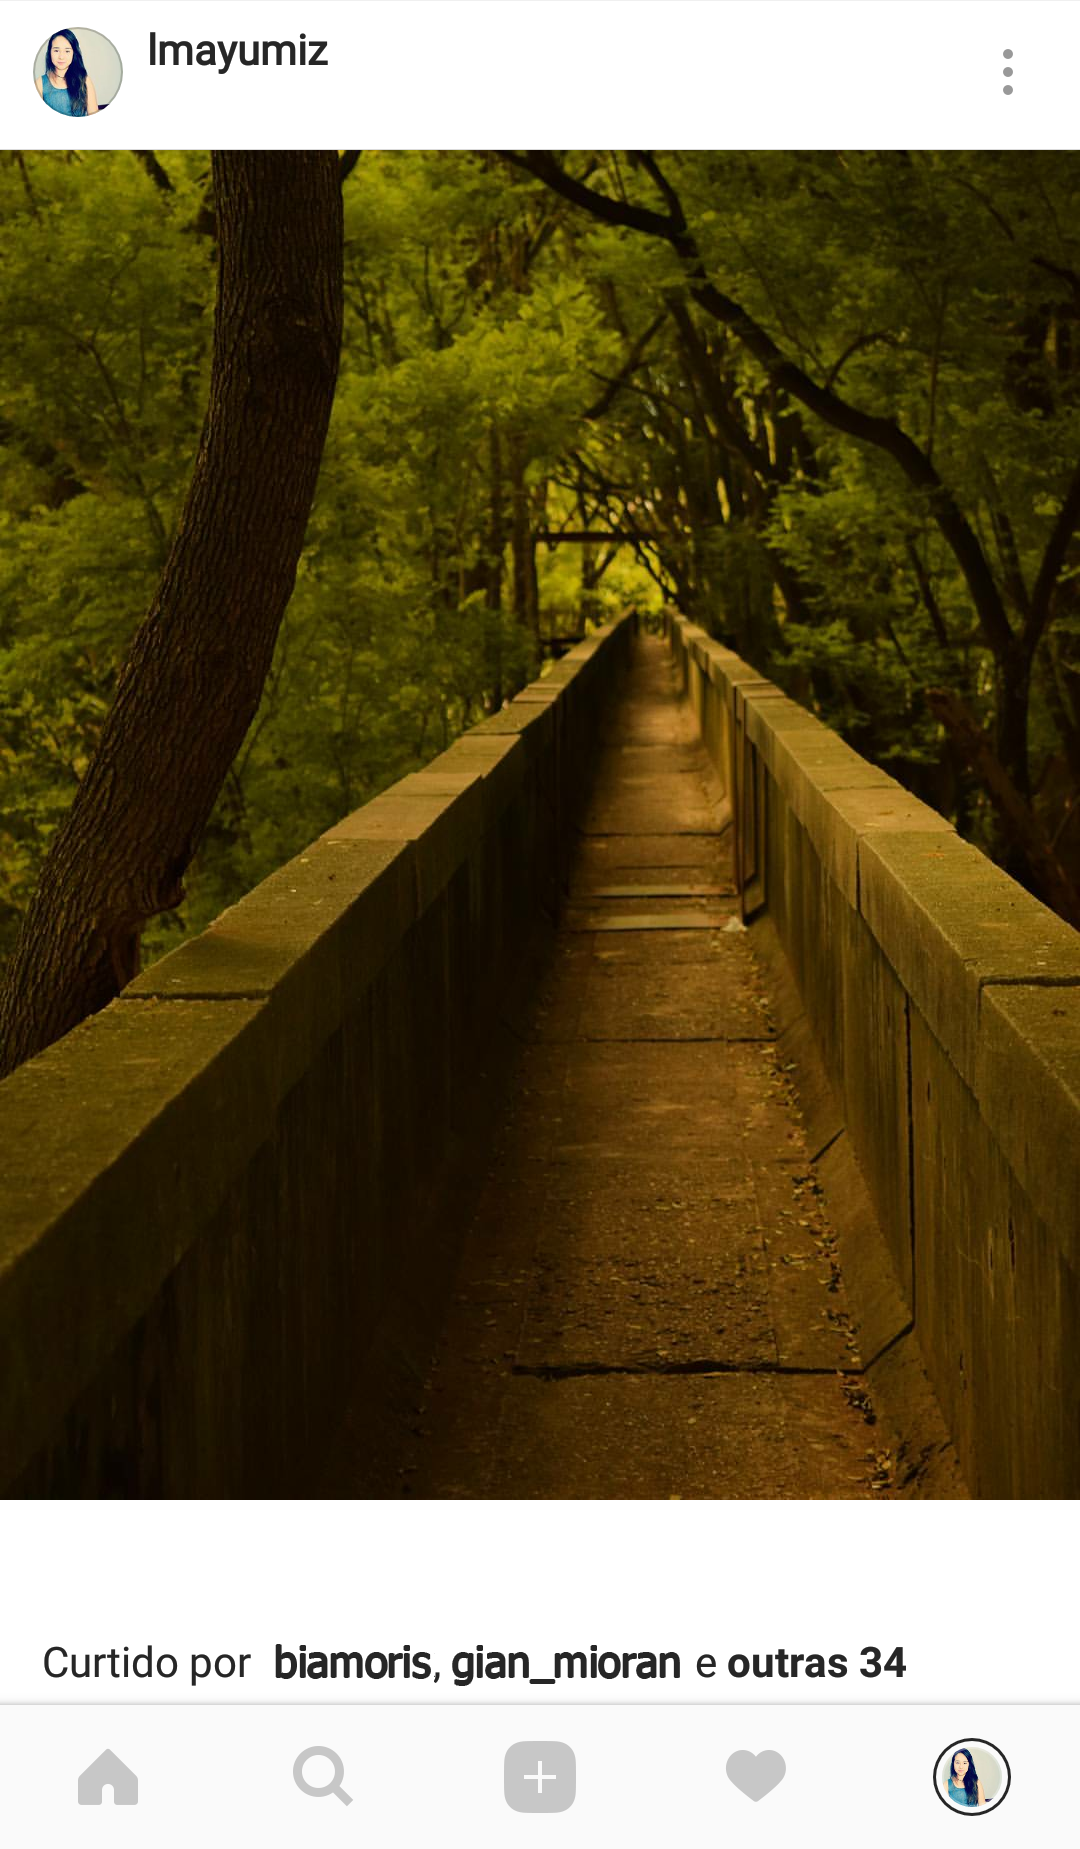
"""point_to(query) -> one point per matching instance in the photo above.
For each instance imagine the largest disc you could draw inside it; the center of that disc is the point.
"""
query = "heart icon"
(756, 1774)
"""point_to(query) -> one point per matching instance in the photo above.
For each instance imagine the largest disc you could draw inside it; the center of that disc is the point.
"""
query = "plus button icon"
(539, 1776)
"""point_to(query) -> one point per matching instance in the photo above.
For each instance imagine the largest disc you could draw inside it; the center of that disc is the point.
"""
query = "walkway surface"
(649, 1301)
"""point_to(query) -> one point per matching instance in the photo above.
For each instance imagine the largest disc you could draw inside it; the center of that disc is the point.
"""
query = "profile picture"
(77, 71)
(972, 1776)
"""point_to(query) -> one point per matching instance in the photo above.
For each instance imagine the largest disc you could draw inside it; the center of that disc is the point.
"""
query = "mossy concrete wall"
(219, 1189)
(944, 1002)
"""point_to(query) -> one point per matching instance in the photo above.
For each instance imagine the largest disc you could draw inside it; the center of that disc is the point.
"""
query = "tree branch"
(148, 159)
(1053, 562)
(881, 433)
(633, 360)
(1017, 815)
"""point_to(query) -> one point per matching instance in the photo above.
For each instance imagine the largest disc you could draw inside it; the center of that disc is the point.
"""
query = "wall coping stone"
(839, 819)
(950, 922)
(809, 769)
(531, 723)
(540, 693)
(765, 715)
(311, 935)
(735, 675)
(560, 672)
(445, 829)
(500, 761)
(1027, 1082)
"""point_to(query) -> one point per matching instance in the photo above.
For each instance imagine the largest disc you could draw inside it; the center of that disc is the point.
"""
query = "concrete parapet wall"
(218, 1190)
(944, 1002)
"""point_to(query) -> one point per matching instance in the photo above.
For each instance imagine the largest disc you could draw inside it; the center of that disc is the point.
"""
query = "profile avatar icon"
(972, 1776)
(77, 73)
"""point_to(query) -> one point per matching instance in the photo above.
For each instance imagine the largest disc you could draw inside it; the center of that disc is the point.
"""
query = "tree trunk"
(1013, 701)
(1038, 863)
(494, 565)
(523, 543)
(193, 677)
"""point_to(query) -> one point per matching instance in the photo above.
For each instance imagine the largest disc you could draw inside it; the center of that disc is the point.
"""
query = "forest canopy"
(827, 403)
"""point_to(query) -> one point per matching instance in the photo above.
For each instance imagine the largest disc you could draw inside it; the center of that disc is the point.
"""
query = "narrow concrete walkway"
(649, 1302)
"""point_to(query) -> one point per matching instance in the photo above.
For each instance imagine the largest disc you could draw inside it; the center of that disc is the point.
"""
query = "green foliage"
(510, 367)
(105, 311)
(939, 293)
(402, 627)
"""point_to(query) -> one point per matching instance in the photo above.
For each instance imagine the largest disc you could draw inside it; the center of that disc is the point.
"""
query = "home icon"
(107, 1769)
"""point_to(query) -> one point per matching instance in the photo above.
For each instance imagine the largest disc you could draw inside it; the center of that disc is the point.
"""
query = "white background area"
(980, 1595)
(578, 73)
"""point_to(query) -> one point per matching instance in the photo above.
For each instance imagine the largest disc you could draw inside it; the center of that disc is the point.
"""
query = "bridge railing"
(220, 1189)
(944, 1003)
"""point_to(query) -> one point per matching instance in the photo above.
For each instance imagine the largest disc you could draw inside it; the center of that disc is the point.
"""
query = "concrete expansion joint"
(579, 1370)
(637, 923)
(886, 1348)
(828, 1143)
(198, 995)
(648, 834)
(516, 1033)
(1030, 979)
(673, 1040)
(590, 1039)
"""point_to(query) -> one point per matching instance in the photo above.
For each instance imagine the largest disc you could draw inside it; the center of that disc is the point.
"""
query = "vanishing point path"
(649, 1302)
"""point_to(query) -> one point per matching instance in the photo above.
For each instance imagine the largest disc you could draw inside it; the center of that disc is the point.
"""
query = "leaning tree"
(193, 677)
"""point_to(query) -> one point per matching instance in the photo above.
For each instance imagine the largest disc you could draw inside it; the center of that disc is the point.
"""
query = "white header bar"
(560, 73)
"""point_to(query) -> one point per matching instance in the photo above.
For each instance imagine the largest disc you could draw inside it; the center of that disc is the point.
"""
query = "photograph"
(77, 73)
(540, 840)
(974, 1776)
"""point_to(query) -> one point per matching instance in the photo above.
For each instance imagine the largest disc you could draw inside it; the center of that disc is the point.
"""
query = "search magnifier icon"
(334, 1788)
